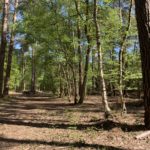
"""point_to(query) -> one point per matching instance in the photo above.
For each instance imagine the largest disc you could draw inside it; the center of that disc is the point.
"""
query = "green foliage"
(51, 28)
(15, 73)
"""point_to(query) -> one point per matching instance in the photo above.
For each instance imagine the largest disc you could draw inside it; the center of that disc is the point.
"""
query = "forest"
(74, 74)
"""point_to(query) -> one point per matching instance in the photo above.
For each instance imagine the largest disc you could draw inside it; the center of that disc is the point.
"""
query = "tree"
(100, 61)
(10, 52)
(122, 57)
(32, 88)
(86, 67)
(77, 3)
(143, 23)
(3, 43)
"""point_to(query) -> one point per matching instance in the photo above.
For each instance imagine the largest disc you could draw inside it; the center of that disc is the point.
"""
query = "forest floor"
(50, 123)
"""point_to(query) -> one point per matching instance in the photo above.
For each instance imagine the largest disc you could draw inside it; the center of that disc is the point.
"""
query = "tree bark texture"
(3, 43)
(143, 24)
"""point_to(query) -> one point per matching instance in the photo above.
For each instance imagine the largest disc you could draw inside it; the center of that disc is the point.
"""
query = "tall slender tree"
(143, 24)
(122, 56)
(77, 3)
(3, 43)
(32, 88)
(86, 28)
(100, 61)
(10, 52)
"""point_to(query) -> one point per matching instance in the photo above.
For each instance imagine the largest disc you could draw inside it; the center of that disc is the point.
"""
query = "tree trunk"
(122, 60)
(3, 43)
(143, 24)
(112, 85)
(100, 62)
(75, 87)
(77, 3)
(68, 84)
(82, 94)
(93, 69)
(33, 73)
(10, 53)
(61, 86)
(22, 86)
(61, 89)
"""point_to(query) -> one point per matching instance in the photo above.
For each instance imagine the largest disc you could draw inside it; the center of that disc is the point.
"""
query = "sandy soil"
(49, 123)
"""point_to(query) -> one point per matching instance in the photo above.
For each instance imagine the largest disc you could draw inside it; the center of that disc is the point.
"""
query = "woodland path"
(49, 123)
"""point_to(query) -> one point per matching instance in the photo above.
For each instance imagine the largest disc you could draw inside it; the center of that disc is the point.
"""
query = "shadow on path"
(58, 144)
(104, 124)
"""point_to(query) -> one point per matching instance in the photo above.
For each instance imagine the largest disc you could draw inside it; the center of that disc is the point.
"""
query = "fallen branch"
(143, 135)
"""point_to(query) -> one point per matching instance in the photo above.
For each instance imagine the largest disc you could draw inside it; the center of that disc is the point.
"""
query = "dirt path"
(52, 123)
